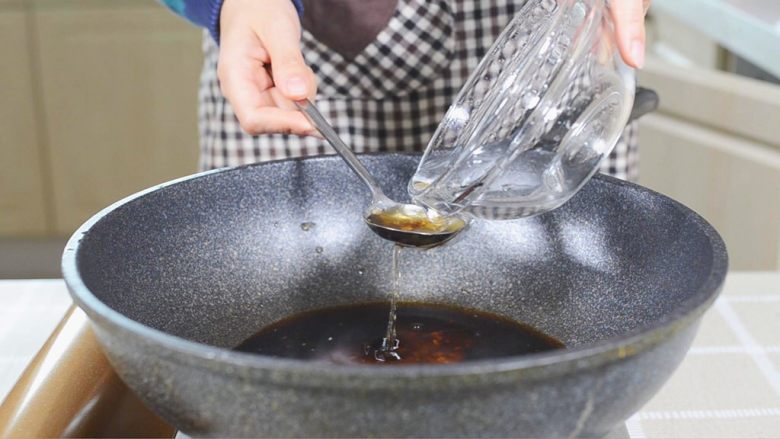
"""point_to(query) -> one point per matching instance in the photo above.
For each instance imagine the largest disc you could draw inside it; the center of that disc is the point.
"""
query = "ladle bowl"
(175, 276)
(405, 224)
(427, 230)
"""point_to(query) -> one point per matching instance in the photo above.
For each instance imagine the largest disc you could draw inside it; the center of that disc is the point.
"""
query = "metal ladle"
(405, 224)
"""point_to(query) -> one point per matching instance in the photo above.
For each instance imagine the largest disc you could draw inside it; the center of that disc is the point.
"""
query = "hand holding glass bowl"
(533, 122)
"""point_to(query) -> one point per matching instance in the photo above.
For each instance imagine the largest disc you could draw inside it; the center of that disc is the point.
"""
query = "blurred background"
(99, 100)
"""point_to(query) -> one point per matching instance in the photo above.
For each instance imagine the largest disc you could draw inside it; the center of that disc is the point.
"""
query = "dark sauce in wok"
(425, 333)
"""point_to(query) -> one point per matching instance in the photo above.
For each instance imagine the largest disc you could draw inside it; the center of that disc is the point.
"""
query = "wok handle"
(645, 101)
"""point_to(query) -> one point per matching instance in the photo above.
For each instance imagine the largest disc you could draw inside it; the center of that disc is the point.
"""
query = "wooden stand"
(70, 390)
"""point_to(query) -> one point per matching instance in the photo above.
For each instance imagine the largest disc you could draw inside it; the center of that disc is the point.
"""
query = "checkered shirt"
(390, 97)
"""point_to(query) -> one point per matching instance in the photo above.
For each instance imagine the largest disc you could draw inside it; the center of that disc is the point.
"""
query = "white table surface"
(728, 385)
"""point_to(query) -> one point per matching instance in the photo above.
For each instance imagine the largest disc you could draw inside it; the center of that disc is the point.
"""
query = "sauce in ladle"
(416, 220)
(413, 226)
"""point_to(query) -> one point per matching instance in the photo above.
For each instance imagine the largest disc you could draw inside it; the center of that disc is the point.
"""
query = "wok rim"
(543, 363)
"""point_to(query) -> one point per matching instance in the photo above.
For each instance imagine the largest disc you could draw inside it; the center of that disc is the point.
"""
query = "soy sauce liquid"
(413, 333)
(426, 334)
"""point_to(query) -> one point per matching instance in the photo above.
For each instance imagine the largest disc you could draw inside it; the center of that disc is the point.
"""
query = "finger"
(276, 120)
(259, 113)
(278, 99)
(629, 18)
(243, 82)
(291, 75)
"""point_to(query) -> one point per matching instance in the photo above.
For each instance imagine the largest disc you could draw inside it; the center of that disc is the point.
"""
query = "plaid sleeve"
(205, 13)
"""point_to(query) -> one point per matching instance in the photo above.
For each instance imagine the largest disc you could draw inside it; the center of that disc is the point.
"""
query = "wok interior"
(215, 258)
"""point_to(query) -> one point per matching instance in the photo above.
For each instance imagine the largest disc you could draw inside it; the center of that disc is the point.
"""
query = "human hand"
(261, 69)
(629, 18)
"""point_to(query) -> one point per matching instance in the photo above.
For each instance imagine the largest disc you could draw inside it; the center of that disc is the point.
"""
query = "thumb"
(290, 73)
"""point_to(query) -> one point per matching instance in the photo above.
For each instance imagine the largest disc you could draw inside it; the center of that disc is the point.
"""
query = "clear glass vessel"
(535, 119)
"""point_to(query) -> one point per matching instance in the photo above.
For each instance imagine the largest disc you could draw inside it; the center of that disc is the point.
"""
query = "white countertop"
(728, 385)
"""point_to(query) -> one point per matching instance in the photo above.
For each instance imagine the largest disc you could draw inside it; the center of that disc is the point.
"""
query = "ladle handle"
(322, 125)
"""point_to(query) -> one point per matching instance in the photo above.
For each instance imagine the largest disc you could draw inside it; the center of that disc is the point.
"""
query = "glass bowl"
(535, 119)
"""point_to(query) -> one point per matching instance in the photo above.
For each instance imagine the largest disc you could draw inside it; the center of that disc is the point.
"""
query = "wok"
(175, 276)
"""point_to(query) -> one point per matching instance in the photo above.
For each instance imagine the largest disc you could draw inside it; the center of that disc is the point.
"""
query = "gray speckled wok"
(173, 277)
